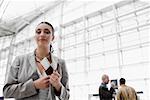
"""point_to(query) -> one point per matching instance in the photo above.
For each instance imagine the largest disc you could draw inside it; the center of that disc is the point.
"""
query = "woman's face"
(44, 35)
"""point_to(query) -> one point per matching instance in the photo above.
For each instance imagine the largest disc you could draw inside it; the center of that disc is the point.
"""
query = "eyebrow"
(47, 29)
(44, 29)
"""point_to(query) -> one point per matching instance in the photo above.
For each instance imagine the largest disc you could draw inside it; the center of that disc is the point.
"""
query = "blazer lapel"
(57, 65)
(33, 72)
(54, 61)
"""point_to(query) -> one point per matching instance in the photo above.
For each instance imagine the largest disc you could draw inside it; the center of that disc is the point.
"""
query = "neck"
(103, 82)
(42, 52)
(122, 84)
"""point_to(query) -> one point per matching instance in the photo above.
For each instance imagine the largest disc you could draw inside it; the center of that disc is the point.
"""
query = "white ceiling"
(17, 14)
(11, 9)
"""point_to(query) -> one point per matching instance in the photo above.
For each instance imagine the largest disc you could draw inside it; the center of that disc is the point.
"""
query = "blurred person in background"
(104, 92)
(38, 75)
(126, 92)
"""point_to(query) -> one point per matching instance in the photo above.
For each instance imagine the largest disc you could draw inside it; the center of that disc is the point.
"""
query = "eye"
(47, 32)
(38, 31)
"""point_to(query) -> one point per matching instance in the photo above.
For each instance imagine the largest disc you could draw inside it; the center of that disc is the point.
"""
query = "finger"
(53, 79)
(54, 76)
(46, 81)
(55, 73)
(47, 85)
(45, 77)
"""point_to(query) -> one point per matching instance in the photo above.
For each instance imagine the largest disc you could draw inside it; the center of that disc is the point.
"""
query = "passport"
(49, 71)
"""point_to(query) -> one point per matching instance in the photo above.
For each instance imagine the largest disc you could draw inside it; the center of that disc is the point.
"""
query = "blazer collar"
(54, 61)
(33, 62)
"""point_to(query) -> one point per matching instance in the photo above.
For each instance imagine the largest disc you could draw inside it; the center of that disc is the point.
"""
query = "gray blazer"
(19, 83)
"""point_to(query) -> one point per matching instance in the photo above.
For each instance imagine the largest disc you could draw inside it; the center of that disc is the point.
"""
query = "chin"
(42, 45)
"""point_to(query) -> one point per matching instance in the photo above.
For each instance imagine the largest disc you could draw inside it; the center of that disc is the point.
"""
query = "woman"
(30, 78)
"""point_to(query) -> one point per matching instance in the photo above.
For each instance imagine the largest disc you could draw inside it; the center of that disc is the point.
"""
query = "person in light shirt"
(126, 92)
(38, 75)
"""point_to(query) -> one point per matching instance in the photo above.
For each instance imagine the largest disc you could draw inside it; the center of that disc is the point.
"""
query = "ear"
(53, 37)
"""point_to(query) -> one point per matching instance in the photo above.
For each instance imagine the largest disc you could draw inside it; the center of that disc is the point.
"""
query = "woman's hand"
(42, 83)
(55, 80)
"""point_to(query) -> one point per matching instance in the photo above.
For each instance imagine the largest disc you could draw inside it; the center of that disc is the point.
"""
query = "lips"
(42, 39)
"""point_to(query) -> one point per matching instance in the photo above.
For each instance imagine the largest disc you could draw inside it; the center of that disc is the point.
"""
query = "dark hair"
(49, 25)
(122, 81)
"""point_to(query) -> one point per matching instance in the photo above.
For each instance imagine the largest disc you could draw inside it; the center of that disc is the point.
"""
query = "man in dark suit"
(104, 93)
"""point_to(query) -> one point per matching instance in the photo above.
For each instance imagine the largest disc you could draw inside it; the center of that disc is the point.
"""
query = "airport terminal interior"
(93, 37)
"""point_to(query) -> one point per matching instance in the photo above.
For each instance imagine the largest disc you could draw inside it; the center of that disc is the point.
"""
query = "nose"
(42, 33)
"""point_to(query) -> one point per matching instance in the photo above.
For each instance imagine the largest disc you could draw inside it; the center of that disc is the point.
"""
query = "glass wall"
(113, 40)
